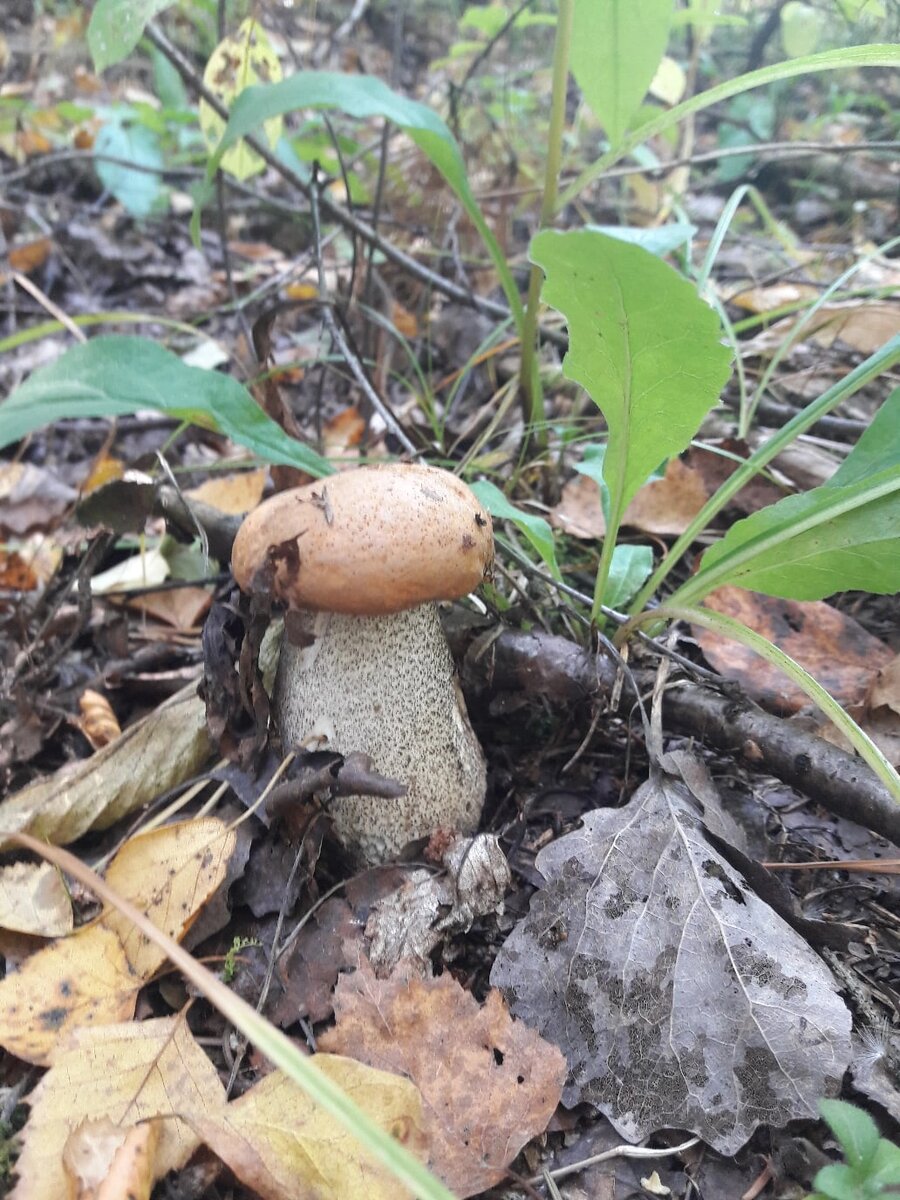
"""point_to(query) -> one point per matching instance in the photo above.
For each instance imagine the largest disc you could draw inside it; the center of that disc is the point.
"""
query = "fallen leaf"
(79, 981)
(344, 431)
(428, 908)
(152, 756)
(765, 299)
(125, 1074)
(31, 498)
(885, 689)
(666, 505)
(489, 1083)
(180, 607)
(280, 1143)
(831, 646)
(169, 874)
(34, 899)
(98, 721)
(29, 256)
(105, 469)
(680, 999)
(104, 1162)
(235, 494)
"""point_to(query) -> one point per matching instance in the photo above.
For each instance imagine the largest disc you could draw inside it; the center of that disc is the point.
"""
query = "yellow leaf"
(125, 1074)
(669, 81)
(238, 62)
(169, 874)
(281, 1143)
(235, 494)
(33, 899)
(81, 980)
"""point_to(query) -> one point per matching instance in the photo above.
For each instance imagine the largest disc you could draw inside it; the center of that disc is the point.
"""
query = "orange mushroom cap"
(373, 540)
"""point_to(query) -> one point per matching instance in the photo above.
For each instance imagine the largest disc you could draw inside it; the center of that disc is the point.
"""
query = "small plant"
(872, 1166)
(229, 966)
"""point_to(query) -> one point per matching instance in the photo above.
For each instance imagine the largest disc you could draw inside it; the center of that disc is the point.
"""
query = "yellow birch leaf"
(125, 1074)
(169, 874)
(281, 1143)
(237, 63)
(80, 980)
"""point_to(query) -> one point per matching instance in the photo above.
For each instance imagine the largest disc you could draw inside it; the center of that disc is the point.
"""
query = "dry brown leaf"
(234, 494)
(885, 689)
(281, 1143)
(833, 648)
(125, 1074)
(81, 980)
(102, 1161)
(667, 505)
(181, 607)
(169, 874)
(31, 498)
(489, 1083)
(776, 295)
(863, 327)
(344, 430)
(28, 256)
(105, 470)
(34, 899)
(152, 756)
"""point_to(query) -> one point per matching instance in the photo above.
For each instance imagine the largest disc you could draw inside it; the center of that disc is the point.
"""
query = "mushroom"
(359, 559)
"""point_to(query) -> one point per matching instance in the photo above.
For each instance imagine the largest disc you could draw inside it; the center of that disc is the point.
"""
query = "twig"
(623, 1151)
(337, 335)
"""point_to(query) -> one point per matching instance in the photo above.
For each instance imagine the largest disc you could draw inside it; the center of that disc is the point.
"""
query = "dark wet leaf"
(679, 998)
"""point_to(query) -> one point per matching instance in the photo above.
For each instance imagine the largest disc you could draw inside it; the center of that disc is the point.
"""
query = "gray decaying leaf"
(679, 998)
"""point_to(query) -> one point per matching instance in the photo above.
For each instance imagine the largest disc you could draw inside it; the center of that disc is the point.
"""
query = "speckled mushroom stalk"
(359, 559)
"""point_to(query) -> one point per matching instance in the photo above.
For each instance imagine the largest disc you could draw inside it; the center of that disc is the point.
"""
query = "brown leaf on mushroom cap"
(373, 540)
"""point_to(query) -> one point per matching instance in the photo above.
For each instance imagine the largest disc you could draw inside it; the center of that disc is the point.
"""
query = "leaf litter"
(679, 998)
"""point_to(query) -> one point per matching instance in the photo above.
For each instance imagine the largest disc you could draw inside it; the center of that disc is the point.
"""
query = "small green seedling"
(872, 1166)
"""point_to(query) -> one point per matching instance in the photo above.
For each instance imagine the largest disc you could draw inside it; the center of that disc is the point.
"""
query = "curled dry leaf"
(98, 721)
(834, 648)
(152, 756)
(105, 1162)
(34, 899)
(680, 999)
(428, 908)
(281, 1143)
(489, 1083)
(125, 1074)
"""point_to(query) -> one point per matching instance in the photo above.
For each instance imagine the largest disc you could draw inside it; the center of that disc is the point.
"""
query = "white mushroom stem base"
(385, 686)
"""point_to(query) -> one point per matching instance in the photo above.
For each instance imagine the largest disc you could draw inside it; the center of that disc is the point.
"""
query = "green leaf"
(116, 26)
(138, 191)
(853, 1128)
(364, 96)
(616, 47)
(641, 342)
(113, 375)
(629, 567)
(884, 1168)
(839, 1182)
(659, 240)
(877, 449)
(535, 529)
(801, 28)
(845, 534)
(806, 547)
(877, 55)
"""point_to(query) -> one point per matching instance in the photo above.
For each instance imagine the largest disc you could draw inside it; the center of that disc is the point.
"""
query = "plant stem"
(529, 379)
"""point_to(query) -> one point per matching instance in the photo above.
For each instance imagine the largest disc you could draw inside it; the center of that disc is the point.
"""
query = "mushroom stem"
(384, 685)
